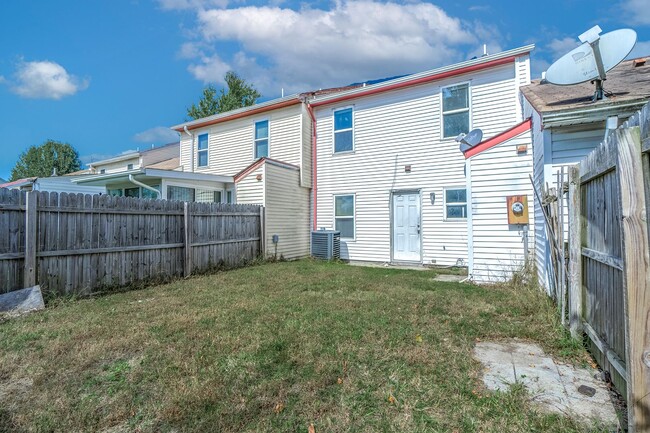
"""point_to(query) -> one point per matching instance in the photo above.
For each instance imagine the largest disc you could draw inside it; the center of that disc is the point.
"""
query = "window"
(261, 139)
(343, 134)
(147, 193)
(102, 171)
(116, 192)
(455, 204)
(207, 196)
(132, 192)
(229, 196)
(202, 151)
(180, 193)
(344, 215)
(455, 110)
(129, 167)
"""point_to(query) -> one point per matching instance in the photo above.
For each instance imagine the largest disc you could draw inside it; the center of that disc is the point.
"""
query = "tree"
(41, 160)
(240, 94)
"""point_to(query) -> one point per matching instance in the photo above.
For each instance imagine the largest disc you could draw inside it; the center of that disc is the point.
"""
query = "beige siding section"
(249, 190)
(116, 167)
(400, 128)
(186, 152)
(230, 144)
(497, 173)
(287, 212)
(305, 172)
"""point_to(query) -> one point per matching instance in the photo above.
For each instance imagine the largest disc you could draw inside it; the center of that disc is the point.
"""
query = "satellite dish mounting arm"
(592, 37)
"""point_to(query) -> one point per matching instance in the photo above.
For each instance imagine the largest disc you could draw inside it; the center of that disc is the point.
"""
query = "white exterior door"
(406, 226)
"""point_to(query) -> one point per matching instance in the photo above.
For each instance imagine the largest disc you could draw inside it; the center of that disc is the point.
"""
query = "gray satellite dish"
(593, 59)
(469, 140)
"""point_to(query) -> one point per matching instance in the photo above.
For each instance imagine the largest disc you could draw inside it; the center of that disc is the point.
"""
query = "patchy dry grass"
(274, 348)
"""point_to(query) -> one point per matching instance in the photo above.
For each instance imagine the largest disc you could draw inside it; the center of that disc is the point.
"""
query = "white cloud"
(45, 80)
(211, 69)
(640, 49)
(559, 47)
(191, 4)
(158, 134)
(355, 40)
(636, 11)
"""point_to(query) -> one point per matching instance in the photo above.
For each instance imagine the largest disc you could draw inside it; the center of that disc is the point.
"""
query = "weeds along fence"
(609, 265)
(79, 244)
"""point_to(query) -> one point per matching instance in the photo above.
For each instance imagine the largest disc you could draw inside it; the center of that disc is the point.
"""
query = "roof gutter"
(238, 115)
(590, 114)
(140, 184)
(422, 78)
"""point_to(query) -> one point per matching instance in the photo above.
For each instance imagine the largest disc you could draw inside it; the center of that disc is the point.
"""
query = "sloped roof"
(629, 84)
(19, 182)
(167, 164)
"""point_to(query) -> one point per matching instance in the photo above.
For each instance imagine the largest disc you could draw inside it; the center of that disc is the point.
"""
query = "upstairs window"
(102, 171)
(202, 151)
(343, 130)
(129, 167)
(455, 204)
(455, 110)
(344, 215)
(261, 139)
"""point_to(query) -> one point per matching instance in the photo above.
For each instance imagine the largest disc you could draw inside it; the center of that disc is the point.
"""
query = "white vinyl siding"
(497, 173)
(287, 212)
(306, 152)
(249, 189)
(399, 128)
(230, 147)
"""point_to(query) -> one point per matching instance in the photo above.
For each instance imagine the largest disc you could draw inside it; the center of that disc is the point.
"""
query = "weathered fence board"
(80, 244)
(609, 294)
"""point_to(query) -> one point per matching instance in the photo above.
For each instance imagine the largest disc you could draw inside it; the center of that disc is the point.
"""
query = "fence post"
(187, 239)
(262, 231)
(636, 277)
(575, 253)
(31, 217)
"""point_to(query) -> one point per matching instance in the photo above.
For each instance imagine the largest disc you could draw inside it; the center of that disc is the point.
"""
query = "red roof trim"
(255, 165)
(242, 114)
(420, 80)
(506, 135)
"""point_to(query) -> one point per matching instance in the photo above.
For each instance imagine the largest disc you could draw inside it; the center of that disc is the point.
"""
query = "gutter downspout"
(187, 131)
(137, 182)
(314, 183)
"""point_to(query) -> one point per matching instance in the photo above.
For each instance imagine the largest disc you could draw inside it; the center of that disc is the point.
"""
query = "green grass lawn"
(275, 348)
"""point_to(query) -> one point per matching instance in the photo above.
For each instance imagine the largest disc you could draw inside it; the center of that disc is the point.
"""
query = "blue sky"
(110, 76)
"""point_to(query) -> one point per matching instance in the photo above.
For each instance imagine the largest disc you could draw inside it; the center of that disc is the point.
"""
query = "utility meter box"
(517, 209)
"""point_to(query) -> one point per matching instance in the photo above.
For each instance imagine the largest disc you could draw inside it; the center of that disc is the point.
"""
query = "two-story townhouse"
(389, 174)
(266, 150)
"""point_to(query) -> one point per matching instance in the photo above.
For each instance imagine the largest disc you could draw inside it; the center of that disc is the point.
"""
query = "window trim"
(206, 150)
(444, 203)
(443, 112)
(334, 131)
(268, 138)
(354, 214)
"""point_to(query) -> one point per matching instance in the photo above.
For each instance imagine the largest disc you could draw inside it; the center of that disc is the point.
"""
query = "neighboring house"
(567, 125)
(152, 173)
(52, 184)
(265, 150)
(389, 174)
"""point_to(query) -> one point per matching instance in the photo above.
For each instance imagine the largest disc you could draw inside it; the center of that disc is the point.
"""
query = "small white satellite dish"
(469, 140)
(593, 59)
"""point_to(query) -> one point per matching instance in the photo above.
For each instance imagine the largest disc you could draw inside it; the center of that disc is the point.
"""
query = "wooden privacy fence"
(79, 244)
(609, 265)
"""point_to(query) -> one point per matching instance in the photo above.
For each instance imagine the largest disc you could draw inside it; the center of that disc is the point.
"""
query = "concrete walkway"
(553, 387)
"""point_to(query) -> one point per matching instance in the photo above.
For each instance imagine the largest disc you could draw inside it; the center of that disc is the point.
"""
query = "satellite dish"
(469, 140)
(593, 59)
